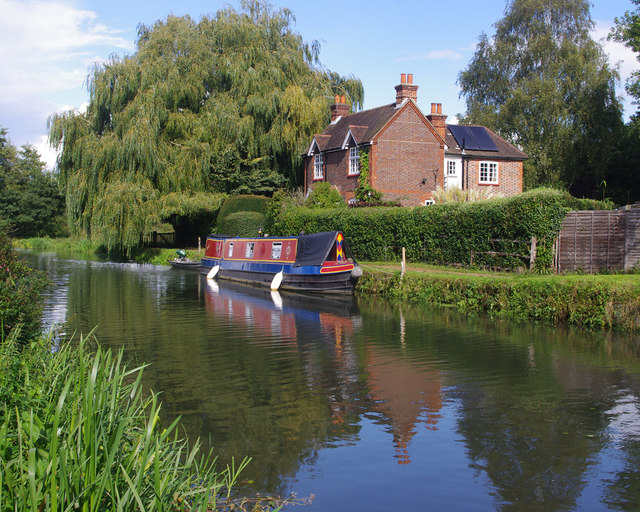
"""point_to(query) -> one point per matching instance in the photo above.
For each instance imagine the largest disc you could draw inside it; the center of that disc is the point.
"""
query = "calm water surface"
(369, 406)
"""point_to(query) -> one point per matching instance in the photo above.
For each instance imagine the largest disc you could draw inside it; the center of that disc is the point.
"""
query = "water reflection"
(371, 406)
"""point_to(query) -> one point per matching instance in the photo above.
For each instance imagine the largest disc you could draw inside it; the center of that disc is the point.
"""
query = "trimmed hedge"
(241, 224)
(445, 233)
(244, 203)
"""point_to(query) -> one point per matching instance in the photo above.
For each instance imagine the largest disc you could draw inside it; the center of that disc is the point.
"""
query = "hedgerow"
(451, 233)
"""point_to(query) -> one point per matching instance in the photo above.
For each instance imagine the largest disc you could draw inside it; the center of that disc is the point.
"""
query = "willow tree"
(544, 84)
(201, 109)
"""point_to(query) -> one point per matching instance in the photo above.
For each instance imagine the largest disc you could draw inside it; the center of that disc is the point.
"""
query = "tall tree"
(544, 84)
(222, 106)
(31, 203)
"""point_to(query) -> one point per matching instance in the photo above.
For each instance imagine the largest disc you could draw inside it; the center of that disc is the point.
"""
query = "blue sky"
(49, 46)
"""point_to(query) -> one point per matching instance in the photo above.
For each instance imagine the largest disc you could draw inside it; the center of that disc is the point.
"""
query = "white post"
(404, 263)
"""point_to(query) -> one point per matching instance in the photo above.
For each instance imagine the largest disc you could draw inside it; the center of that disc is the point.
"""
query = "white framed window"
(427, 202)
(276, 250)
(230, 249)
(317, 166)
(248, 251)
(489, 173)
(354, 161)
(451, 168)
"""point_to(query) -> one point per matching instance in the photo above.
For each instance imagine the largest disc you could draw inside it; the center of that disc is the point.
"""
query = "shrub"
(242, 224)
(446, 233)
(324, 195)
(20, 295)
(243, 203)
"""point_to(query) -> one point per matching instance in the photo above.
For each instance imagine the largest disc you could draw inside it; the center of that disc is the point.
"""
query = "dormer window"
(317, 166)
(354, 161)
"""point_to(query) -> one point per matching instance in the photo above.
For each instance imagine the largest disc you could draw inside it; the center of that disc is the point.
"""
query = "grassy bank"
(84, 248)
(600, 301)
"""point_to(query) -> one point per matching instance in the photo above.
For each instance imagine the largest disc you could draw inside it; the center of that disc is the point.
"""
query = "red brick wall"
(509, 177)
(406, 152)
(336, 172)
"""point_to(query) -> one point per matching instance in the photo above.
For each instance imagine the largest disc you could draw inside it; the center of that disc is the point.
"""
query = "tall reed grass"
(78, 433)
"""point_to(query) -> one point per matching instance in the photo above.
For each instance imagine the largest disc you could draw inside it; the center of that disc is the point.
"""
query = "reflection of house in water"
(406, 394)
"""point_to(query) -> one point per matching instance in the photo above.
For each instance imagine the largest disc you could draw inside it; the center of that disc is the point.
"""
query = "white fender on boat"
(213, 272)
(277, 280)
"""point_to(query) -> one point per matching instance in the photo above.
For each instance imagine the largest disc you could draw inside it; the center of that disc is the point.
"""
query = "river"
(369, 406)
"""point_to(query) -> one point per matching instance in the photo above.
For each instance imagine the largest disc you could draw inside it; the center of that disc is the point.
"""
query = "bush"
(243, 203)
(446, 233)
(20, 295)
(242, 224)
(324, 195)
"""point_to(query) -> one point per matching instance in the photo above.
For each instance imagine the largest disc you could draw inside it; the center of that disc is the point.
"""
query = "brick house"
(410, 154)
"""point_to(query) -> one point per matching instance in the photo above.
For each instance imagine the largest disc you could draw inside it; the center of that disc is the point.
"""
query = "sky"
(47, 48)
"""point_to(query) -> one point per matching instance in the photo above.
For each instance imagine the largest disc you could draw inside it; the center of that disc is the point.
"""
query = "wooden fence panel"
(593, 241)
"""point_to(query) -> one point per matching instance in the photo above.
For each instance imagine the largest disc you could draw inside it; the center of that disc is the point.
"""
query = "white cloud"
(48, 49)
(619, 56)
(446, 54)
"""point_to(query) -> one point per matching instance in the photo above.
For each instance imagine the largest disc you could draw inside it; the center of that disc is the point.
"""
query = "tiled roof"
(505, 151)
(364, 126)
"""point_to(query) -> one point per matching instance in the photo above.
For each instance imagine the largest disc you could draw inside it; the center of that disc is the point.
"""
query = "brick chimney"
(405, 90)
(340, 108)
(438, 119)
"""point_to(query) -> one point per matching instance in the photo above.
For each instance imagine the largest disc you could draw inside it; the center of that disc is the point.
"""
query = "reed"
(77, 432)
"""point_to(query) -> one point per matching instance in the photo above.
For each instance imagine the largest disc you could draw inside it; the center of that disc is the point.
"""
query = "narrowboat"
(309, 263)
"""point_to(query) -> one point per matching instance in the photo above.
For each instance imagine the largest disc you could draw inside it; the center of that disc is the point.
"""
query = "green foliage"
(446, 233)
(244, 203)
(365, 193)
(324, 195)
(30, 201)
(77, 432)
(241, 224)
(545, 85)
(20, 295)
(221, 106)
(552, 299)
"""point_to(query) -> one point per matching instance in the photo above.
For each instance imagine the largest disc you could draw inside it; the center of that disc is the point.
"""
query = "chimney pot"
(343, 100)
(439, 108)
(403, 78)
(336, 99)
(410, 78)
(434, 108)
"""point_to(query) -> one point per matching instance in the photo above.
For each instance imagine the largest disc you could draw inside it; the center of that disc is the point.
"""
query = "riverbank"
(598, 301)
(82, 247)
(609, 301)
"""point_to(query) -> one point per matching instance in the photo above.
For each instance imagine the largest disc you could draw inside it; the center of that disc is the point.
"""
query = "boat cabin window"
(248, 251)
(230, 249)
(276, 250)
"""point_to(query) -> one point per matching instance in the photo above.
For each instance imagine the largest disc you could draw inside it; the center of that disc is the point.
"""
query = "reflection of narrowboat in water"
(310, 263)
(288, 317)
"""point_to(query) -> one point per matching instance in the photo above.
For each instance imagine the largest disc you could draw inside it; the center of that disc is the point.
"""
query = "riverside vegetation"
(78, 431)
(446, 234)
